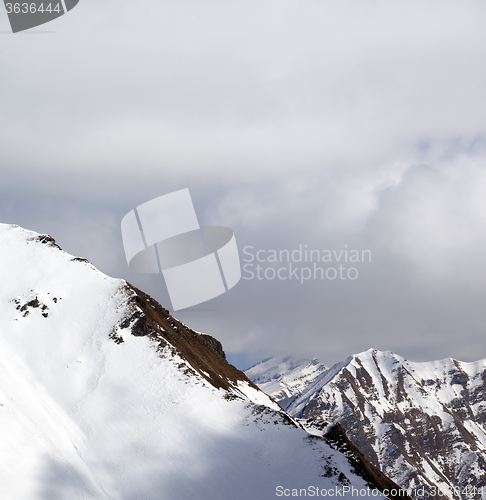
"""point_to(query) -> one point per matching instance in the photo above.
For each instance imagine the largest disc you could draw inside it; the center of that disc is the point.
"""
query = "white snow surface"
(85, 418)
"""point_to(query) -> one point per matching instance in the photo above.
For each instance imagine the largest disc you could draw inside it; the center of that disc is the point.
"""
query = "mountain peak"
(104, 395)
(420, 423)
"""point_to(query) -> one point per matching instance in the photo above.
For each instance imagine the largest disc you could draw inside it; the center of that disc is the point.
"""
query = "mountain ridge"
(422, 424)
(285, 376)
(104, 395)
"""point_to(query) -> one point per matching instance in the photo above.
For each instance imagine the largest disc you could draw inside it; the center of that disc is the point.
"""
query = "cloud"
(432, 219)
(321, 123)
(242, 91)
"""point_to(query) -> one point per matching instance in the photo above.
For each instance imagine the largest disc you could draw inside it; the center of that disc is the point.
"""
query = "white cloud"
(317, 122)
(243, 91)
(435, 219)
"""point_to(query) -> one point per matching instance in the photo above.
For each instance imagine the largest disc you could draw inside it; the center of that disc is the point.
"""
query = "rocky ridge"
(422, 424)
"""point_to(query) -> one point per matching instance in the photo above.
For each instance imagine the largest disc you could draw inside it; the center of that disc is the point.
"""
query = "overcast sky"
(320, 123)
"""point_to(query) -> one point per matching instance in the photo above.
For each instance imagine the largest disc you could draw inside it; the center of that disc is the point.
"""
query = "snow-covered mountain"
(285, 377)
(423, 424)
(104, 395)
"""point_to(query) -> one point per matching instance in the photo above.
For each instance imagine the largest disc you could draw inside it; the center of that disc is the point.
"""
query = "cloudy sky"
(294, 122)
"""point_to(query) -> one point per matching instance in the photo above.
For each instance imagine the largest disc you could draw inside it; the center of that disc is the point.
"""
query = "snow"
(83, 417)
(256, 396)
(296, 407)
(284, 377)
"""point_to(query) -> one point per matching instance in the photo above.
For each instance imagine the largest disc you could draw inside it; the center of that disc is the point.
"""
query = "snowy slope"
(105, 396)
(285, 377)
(423, 424)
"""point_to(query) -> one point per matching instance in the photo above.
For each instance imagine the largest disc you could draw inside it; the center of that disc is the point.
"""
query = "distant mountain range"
(104, 395)
(422, 424)
(286, 377)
